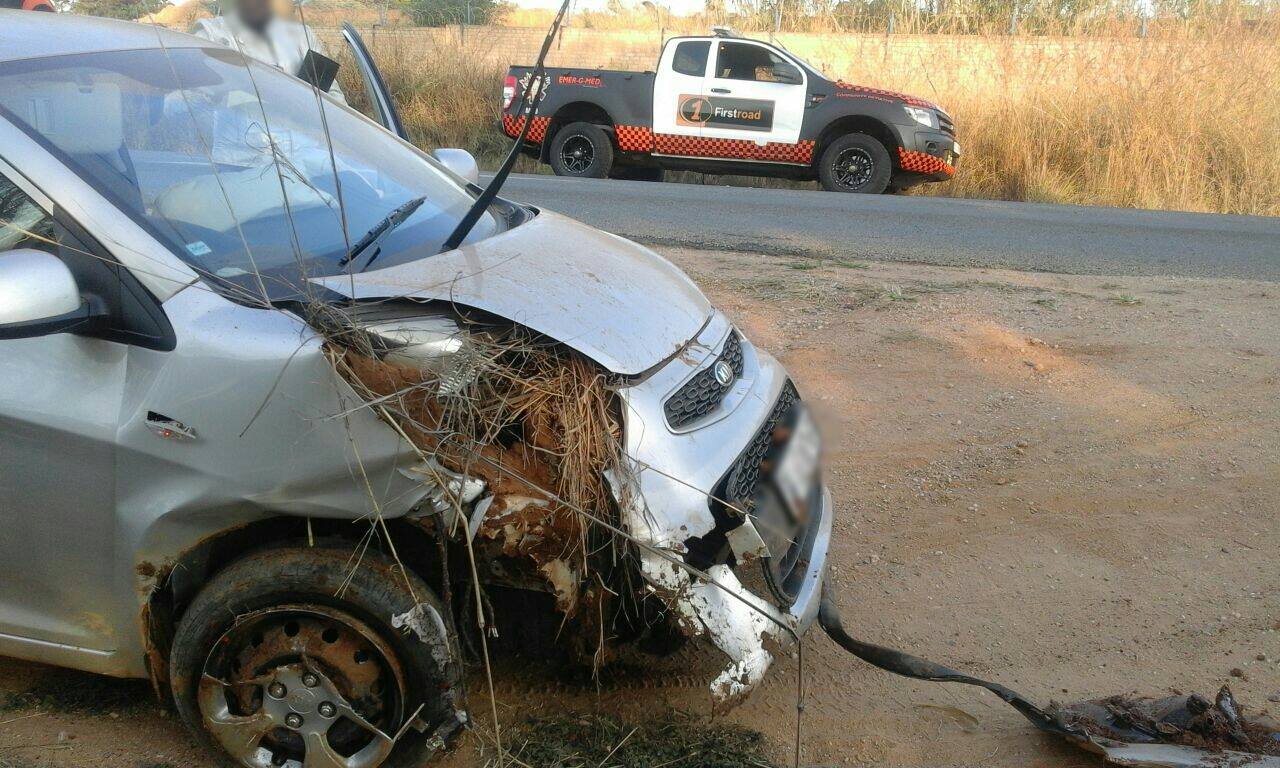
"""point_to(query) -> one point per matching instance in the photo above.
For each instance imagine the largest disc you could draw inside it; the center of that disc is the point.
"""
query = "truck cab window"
(744, 61)
(691, 57)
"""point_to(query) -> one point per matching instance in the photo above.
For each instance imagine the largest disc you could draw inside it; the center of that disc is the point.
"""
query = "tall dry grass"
(447, 96)
(1183, 123)
(1186, 120)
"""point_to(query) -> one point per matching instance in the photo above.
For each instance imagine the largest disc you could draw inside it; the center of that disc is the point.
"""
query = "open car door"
(375, 88)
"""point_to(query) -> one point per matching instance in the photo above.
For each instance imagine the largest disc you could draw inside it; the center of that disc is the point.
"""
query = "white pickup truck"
(726, 104)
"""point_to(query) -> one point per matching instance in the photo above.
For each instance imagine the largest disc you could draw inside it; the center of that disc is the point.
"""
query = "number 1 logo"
(694, 110)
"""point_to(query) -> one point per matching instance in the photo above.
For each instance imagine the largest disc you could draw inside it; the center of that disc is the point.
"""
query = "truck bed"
(625, 95)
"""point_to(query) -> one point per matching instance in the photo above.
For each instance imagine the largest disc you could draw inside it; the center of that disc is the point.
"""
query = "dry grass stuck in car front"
(1063, 483)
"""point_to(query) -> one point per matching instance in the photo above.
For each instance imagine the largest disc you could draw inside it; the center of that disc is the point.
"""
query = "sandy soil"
(1067, 484)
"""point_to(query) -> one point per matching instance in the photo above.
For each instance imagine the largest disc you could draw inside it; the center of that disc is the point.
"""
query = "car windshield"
(229, 165)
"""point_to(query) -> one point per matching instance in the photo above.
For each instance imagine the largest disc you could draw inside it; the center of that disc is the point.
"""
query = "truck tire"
(855, 162)
(294, 650)
(582, 150)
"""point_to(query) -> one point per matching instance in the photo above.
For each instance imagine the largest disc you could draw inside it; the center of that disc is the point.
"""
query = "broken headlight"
(433, 344)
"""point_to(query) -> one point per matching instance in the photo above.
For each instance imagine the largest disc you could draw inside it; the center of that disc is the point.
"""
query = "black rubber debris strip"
(1170, 732)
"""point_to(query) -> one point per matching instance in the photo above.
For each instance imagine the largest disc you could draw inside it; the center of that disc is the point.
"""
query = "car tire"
(857, 163)
(582, 150)
(285, 644)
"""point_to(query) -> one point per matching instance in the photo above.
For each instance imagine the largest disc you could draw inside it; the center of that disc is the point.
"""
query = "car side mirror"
(39, 296)
(461, 162)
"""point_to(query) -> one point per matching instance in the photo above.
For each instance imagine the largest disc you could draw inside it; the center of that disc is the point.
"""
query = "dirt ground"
(1066, 484)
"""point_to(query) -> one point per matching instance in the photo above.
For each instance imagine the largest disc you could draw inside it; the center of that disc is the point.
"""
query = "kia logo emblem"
(724, 373)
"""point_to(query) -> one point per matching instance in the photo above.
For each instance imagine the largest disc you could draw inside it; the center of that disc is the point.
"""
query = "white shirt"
(282, 43)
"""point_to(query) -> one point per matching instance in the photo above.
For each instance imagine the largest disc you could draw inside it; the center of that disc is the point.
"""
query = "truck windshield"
(229, 165)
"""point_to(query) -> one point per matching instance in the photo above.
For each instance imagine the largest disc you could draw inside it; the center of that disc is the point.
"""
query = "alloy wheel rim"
(302, 686)
(577, 153)
(853, 168)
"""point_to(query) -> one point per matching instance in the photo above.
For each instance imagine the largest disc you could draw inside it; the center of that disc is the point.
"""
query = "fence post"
(1013, 22)
(891, 19)
(1142, 30)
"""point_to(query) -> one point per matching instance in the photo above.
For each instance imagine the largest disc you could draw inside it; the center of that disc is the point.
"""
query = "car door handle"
(721, 90)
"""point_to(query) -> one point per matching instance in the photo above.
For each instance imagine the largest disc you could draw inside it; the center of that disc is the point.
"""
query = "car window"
(23, 224)
(744, 61)
(691, 57)
(228, 162)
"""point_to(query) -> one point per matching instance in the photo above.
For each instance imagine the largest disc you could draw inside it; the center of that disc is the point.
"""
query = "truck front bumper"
(928, 156)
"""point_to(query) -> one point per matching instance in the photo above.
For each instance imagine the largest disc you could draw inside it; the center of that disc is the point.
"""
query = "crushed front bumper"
(664, 499)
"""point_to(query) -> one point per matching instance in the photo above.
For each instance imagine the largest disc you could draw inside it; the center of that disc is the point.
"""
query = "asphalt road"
(930, 230)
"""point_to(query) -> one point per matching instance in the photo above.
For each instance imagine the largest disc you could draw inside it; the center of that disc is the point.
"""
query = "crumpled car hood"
(618, 303)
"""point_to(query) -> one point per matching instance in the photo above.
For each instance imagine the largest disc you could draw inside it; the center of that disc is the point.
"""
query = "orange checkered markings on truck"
(843, 88)
(512, 126)
(634, 138)
(800, 153)
(922, 162)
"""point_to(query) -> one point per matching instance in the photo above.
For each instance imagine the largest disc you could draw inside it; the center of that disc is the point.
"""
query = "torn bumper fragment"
(765, 557)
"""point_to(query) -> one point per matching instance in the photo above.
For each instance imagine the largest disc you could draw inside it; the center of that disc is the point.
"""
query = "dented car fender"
(275, 431)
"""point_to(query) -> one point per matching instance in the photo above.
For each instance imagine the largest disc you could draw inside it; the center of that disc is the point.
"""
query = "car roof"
(29, 35)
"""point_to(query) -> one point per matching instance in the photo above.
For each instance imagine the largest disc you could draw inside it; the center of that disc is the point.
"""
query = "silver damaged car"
(192, 491)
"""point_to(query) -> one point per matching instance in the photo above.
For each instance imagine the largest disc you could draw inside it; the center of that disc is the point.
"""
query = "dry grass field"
(1184, 119)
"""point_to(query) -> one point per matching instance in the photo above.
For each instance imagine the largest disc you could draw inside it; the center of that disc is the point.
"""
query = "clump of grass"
(1126, 300)
(895, 293)
(1048, 302)
(676, 740)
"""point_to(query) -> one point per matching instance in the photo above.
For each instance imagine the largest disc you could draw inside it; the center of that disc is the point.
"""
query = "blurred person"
(254, 28)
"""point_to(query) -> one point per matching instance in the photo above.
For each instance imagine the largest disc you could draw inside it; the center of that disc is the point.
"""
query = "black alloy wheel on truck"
(855, 162)
(582, 150)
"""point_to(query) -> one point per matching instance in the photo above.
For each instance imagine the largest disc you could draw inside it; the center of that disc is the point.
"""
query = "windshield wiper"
(381, 230)
(530, 98)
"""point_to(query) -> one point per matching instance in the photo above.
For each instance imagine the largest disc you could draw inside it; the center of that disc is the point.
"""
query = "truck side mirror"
(787, 74)
(460, 161)
(39, 296)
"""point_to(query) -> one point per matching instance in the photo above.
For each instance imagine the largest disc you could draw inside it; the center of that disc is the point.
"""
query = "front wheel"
(582, 150)
(292, 656)
(855, 162)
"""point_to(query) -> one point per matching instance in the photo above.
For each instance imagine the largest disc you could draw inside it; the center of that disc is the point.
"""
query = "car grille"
(744, 478)
(790, 542)
(703, 393)
(944, 122)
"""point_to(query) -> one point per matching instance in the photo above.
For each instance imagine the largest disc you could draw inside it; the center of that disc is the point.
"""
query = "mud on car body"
(199, 484)
(725, 104)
